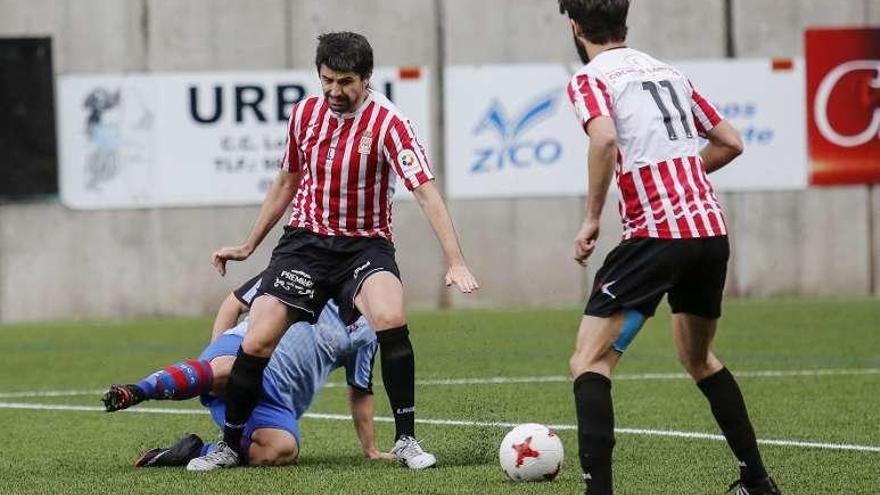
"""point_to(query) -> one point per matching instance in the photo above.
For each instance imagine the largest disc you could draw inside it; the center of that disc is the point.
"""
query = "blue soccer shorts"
(271, 411)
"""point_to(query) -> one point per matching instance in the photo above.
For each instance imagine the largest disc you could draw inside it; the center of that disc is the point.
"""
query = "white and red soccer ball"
(531, 452)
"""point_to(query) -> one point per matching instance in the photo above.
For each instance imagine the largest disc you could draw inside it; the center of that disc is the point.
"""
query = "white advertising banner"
(511, 132)
(179, 139)
(768, 107)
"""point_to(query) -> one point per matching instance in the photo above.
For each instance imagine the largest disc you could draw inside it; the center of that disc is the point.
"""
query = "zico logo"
(823, 95)
(513, 148)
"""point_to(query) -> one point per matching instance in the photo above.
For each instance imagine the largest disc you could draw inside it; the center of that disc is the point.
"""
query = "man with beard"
(644, 119)
(345, 151)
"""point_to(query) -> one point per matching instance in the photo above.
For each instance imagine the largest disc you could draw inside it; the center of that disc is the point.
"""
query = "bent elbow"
(736, 147)
(733, 141)
(604, 142)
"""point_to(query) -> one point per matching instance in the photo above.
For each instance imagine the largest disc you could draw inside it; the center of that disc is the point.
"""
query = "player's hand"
(377, 455)
(585, 241)
(462, 278)
(222, 255)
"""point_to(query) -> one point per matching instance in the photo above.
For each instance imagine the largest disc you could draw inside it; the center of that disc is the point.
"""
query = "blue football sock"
(183, 380)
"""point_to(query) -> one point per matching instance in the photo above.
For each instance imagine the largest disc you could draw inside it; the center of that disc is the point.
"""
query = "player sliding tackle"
(345, 151)
(298, 369)
(643, 118)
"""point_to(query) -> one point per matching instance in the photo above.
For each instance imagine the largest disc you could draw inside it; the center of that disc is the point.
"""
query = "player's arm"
(362, 414)
(278, 197)
(725, 144)
(406, 155)
(227, 316)
(601, 157)
(438, 216)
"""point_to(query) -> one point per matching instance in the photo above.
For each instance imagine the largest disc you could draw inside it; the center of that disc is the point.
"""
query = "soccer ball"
(531, 452)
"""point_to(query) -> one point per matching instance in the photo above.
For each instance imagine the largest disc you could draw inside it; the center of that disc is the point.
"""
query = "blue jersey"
(307, 354)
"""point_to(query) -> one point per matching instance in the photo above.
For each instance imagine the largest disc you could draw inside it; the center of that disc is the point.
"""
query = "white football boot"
(408, 452)
(222, 457)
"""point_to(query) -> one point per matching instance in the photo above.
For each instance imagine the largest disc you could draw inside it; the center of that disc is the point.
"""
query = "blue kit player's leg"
(180, 381)
(271, 436)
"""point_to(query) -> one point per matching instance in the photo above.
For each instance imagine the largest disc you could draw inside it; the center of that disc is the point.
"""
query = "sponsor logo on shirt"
(408, 163)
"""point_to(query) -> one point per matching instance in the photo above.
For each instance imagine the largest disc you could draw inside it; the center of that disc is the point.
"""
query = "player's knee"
(698, 366)
(576, 365)
(273, 453)
(583, 360)
(258, 348)
(702, 366)
(389, 318)
(221, 366)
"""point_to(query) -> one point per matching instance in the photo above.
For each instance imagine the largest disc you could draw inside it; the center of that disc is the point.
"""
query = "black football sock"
(595, 416)
(399, 377)
(729, 410)
(242, 393)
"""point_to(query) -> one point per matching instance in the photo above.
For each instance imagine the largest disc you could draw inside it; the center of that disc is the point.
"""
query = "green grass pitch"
(67, 451)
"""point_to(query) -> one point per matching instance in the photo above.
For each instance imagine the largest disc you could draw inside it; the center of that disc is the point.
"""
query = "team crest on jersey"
(366, 143)
(408, 163)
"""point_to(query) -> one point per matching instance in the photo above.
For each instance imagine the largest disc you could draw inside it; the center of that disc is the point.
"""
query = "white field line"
(501, 380)
(465, 423)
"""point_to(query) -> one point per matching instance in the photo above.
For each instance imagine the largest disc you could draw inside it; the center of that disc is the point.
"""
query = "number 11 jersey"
(662, 187)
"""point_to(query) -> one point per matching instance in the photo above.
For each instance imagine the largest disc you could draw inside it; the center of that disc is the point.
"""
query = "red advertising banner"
(843, 105)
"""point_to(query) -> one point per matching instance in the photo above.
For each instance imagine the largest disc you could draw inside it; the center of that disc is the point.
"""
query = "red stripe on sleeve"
(605, 94)
(589, 99)
(707, 108)
(303, 124)
(701, 130)
(415, 175)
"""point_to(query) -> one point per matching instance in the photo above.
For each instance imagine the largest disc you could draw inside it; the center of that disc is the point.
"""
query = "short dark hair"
(345, 52)
(602, 21)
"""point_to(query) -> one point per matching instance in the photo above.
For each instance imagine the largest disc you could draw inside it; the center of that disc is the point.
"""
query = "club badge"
(366, 143)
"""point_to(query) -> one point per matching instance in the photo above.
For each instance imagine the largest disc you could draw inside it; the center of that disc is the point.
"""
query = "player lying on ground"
(296, 372)
(346, 149)
(644, 120)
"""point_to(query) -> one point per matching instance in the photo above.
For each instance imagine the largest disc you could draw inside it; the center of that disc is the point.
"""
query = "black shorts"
(248, 291)
(307, 269)
(638, 272)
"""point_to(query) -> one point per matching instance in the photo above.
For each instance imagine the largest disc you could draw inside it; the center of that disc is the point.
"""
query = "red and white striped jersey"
(346, 161)
(663, 189)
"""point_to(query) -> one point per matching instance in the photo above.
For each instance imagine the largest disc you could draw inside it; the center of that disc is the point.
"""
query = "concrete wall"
(56, 263)
(814, 242)
(88, 35)
(215, 34)
(59, 263)
(775, 27)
